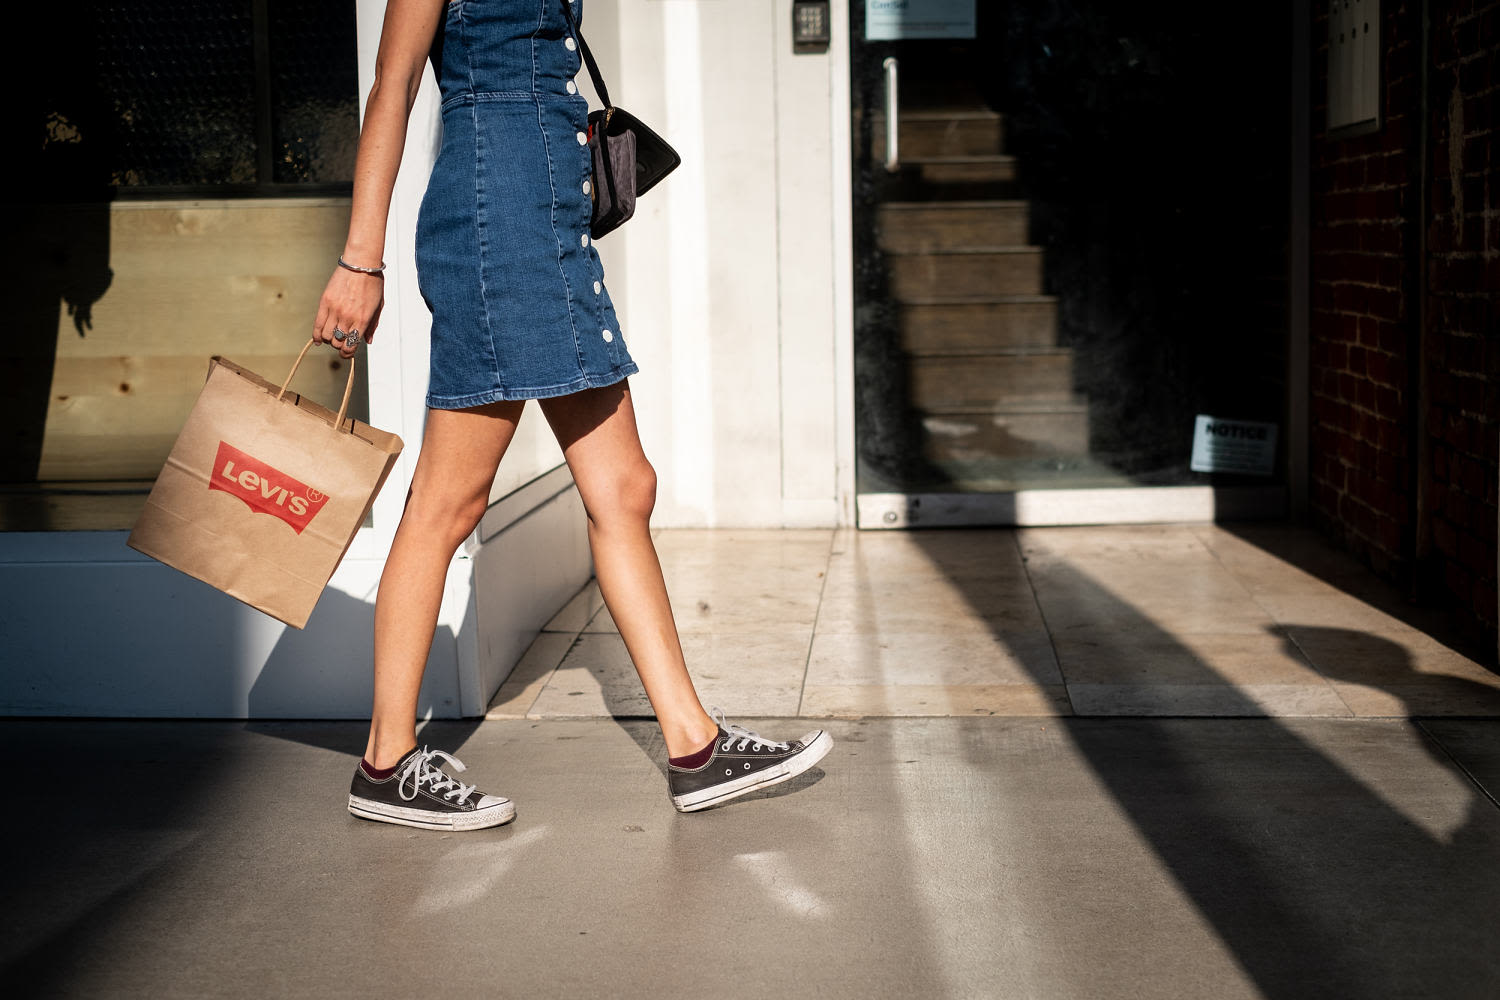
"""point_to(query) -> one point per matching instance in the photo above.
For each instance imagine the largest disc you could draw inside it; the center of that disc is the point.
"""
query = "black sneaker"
(743, 761)
(420, 793)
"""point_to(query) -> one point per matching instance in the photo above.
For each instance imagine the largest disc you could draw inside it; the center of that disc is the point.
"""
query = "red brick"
(1458, 581)
(1466, 355)
(1471, 476)
(1390, 535)
(1457, 272)
(1483, 601)
(1444, 538)
(1383, 302)
(1389, 271)
(1381, 367)
(1471, 389)
(1391, 438)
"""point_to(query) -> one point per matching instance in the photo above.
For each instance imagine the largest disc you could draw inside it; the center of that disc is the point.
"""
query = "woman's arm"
(352, 301)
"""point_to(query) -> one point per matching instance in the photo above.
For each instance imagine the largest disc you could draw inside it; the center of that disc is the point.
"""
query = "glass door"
(1071, 226)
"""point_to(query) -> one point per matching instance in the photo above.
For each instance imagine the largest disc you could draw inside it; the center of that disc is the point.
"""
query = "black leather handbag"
(629, 158)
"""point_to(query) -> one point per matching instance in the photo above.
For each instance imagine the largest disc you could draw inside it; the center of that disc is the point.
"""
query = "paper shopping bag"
(263, 491)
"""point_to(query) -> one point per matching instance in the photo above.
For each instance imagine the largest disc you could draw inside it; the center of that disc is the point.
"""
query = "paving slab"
(1134, 620)
(963, 857)
(1474, 746)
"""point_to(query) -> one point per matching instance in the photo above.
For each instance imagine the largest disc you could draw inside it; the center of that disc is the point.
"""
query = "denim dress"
(504, 256)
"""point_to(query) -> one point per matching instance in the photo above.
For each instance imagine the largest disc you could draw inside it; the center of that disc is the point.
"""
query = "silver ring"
(353, 338)
(339, 335)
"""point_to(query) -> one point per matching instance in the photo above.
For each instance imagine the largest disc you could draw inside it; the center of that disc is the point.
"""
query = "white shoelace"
(421, 771)
(746, 737)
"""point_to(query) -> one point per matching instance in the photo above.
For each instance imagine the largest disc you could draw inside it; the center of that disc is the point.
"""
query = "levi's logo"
(264, 488)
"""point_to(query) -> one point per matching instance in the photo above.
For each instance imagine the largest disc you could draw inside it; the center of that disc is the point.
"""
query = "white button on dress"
(598, 288)
(572, 87)
(583, 240)
(570, 44)
(587, 187)
(607, 336)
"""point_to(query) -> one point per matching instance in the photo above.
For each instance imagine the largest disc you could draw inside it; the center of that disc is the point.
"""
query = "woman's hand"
(349, 310)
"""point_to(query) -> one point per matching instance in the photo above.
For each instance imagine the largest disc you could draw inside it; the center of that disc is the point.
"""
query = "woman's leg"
(597, 431)
(449, 492)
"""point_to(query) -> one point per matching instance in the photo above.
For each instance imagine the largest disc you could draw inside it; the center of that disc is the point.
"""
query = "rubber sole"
(424, 819)
(790, 768)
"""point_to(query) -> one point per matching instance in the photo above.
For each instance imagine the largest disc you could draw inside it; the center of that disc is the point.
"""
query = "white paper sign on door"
(894, 20)
(1242, 446)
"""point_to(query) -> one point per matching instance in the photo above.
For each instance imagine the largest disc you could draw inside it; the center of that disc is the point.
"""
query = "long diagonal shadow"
(1313, 881)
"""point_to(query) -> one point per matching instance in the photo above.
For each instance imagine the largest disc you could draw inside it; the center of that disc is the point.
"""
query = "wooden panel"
(946, 385)
(915, 226)
(1002, 272)
(978, 327)
(942, 133)
(322, 375)
(190, 280)
(962, 169)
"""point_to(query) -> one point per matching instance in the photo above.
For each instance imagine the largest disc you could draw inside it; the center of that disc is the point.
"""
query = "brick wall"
(1462, 342)
(1362, 256)
(1405, 399)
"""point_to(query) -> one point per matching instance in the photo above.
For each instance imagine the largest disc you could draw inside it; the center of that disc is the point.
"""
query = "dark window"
(219, 97)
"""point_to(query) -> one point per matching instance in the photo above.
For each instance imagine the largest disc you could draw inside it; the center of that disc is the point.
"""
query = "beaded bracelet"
(361, 270)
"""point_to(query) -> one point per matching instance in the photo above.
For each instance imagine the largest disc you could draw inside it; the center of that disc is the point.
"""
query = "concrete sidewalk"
(1166, 761)
(1145, 620)
(999, 857)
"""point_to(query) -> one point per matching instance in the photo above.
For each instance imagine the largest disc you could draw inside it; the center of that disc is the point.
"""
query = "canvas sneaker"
(741, 762)
(420, 793)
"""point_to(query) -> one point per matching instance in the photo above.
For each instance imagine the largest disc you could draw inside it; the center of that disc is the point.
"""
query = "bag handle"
(338, 421)
(588, 60)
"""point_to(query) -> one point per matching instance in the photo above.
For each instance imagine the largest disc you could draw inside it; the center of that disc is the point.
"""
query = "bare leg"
(597, 431)
(449, 492)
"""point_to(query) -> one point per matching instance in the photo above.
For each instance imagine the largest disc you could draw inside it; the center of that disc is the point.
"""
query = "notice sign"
(1241, 446)
(893, 20)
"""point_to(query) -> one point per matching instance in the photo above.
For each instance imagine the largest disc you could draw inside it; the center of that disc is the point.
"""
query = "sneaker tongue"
(408, 756)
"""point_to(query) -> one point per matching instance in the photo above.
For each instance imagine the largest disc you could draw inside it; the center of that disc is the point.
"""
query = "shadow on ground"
(1325, 859)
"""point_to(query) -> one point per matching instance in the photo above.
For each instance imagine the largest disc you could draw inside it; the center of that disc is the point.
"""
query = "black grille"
(238, 95)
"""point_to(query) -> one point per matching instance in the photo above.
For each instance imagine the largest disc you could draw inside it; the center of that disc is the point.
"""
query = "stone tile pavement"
(1157, 620)
(973, 833)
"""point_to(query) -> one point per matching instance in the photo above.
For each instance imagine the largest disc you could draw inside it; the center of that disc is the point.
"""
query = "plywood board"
(190, 280)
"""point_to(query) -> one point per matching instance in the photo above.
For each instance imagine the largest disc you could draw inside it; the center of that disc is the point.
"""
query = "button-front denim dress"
(504, 256)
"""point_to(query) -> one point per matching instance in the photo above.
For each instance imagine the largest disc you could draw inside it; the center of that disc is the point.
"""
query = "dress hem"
(540, 392)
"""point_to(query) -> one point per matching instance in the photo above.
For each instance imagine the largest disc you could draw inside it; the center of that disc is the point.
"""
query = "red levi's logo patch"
(264, 489)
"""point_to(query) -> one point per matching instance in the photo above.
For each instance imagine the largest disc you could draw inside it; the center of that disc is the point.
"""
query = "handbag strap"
(588, 58)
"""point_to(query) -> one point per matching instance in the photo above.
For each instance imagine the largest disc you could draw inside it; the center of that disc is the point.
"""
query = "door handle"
(892, 110)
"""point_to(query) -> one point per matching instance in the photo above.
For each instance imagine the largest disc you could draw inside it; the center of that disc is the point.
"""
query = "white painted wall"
(733, 278)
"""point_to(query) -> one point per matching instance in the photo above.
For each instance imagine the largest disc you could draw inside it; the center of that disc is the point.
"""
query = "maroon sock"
(376, 773)
(693, 761)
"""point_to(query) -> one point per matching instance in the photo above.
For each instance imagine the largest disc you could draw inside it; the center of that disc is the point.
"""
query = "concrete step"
(952, 225)
(998, 270)
(949, 384)
(1020, 430)
(942, 133)
(979, 325)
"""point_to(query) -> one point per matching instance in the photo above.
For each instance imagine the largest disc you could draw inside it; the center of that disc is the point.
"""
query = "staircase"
(987, 379)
